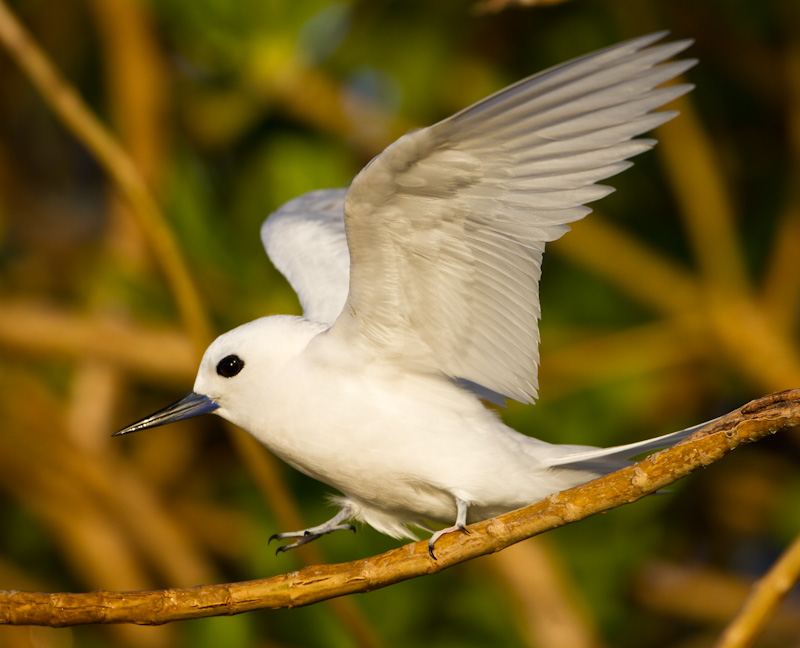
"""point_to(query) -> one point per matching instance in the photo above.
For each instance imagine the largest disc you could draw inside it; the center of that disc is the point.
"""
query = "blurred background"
(676, 301)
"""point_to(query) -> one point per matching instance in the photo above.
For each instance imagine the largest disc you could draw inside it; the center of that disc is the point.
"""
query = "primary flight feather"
(420, 293)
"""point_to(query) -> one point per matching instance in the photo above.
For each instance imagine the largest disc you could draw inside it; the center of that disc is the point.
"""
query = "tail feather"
(603, 460)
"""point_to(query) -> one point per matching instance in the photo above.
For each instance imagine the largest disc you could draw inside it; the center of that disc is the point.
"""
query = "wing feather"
(447, 227)
(305, 239)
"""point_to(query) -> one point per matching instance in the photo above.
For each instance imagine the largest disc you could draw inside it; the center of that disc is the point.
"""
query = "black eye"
(229, 366)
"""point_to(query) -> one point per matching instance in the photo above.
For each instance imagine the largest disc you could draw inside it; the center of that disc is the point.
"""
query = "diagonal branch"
(763, 601)
(70, 108)
(711, 442)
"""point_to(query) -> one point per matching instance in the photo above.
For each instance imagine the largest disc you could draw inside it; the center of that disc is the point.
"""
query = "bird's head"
(235, 372)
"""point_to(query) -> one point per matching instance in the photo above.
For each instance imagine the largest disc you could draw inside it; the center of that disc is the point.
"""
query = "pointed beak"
(190, 405)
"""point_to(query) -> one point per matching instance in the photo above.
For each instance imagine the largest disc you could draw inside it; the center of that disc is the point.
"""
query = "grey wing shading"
(447, 227)
(305, 239)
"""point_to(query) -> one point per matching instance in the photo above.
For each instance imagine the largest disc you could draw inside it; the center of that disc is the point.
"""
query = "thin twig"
(750, 423)
(44, 330)
(79, 119)
(764, 599)
(630, 265)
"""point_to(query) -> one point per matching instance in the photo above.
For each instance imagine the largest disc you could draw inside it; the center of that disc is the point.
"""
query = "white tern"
(420, 293)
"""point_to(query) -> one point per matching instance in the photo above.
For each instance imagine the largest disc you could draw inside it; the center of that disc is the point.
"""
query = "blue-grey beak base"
(190, 405)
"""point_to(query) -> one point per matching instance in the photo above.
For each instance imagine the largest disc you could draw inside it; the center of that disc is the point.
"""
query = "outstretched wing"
(446, 228)
(305, 240)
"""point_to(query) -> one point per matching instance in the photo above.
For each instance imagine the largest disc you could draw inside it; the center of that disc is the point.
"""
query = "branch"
(750, 423)
(68, 106)
(764, 599)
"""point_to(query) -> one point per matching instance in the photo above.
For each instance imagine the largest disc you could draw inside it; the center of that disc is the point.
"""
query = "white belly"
(398, 443)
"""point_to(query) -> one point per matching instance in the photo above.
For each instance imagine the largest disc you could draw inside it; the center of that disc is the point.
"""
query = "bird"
(419, 287)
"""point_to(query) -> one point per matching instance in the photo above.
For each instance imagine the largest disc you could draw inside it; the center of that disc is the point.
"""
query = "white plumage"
(419, 288)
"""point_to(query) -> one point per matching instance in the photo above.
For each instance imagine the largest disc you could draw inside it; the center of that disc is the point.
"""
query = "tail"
(602, 461)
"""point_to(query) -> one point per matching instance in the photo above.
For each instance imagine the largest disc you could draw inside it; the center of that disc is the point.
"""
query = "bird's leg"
(336, 523)
(460, 525)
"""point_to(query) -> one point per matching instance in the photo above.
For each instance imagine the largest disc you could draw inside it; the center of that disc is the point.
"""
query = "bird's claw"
(439, 534)
(307, 535)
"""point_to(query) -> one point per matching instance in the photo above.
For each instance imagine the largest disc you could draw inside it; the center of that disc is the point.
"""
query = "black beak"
(190, 405)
